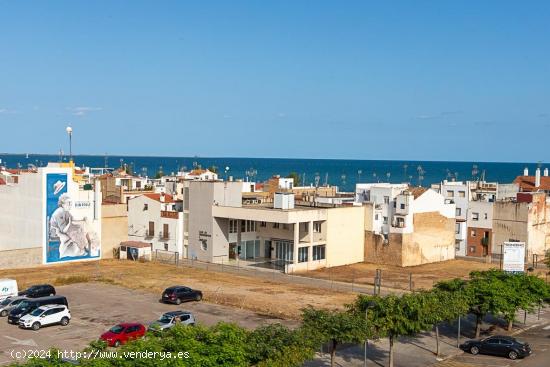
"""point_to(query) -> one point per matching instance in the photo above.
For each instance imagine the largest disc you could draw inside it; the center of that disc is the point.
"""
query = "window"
(319, 252)
(457, 245)
(402, 206)
(275, 225)
(302, 254)
(486, 234)
(472, 249)
(243, 226)
(248, 226)
(385, 220)
(165, 231)
(232, 226)
(317, 227)
(473, 233)
(458, 212)
(306, 227)
(376, 217)
(395, 204)
(475, 216)
(151, 231)
(263, 224)
(145, 207)
(386, 199)
(457, 228)
(450, 193)
(165, 247)
(462, 194)
(285, 226)
(485, 216)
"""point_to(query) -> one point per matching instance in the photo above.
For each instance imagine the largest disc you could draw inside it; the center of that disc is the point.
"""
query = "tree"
(296, 177)
(276, 345)
(336, 327)
(445, 306)
(392, 316)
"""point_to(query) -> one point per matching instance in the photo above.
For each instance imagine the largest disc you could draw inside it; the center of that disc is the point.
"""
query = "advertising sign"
(513, 257)
(67, 238)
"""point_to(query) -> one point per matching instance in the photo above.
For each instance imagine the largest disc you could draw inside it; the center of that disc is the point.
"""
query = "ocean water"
(340, 172)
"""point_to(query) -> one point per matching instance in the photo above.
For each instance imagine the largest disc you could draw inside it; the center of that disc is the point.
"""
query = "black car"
(29, 305)
(35, 291)
(498, 345)
(178, 294)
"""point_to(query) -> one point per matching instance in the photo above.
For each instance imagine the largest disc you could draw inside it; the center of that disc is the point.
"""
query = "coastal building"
(281, 234)
(406, 226)
(523, 219)
(157, 219)
(534, 183)
(479, 228)
(48, 215)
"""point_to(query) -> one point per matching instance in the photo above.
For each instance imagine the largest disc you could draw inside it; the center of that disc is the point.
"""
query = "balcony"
(169, 214)
(164, 235)
(150, 233)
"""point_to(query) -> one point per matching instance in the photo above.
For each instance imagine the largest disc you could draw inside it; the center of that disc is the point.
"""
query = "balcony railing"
(168, 214)
(149, 233)
(164, 235)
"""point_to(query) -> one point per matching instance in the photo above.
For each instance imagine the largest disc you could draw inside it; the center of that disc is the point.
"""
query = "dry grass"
(259, 295)
(423, 276)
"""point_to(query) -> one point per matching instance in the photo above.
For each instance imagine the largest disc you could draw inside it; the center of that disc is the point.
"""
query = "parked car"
(8, 288)
(498, 345)
(46, 315)
(171, 319)
(178, 294)
(9, 304)
(36, 291)
(30, 304)
(122, 333)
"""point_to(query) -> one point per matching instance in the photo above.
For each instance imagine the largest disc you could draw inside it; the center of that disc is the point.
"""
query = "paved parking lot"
(95, 307)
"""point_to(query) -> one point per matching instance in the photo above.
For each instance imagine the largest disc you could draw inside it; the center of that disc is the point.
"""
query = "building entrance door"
(233, 251)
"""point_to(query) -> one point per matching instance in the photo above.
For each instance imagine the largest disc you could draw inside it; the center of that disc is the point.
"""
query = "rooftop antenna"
(326, 179)
(304, 179)
(475, 171)
(421, 172)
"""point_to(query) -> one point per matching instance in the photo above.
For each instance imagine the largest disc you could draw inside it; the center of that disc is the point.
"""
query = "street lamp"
(69, 130)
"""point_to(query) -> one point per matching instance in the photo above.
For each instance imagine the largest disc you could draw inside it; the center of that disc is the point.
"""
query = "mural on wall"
(67, 238)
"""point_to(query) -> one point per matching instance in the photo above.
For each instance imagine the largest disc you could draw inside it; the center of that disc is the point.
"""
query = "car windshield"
(165, 320)
(24, 304)
(520, 341)
(37, 312)
(116, 329)
(5, 302)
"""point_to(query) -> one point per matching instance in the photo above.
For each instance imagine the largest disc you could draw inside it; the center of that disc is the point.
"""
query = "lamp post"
(69, 130)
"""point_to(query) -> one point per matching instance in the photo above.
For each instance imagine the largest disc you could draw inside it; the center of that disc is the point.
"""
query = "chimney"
(161, 197)
(546, 172)
(526, 171)
(537, 177)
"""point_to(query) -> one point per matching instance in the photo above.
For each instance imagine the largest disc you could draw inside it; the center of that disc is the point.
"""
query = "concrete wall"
(22, 224)
(345, 235)
(114, 228)
(509, 223)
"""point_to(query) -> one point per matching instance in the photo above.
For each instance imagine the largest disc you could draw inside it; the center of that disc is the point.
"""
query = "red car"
(121, 333)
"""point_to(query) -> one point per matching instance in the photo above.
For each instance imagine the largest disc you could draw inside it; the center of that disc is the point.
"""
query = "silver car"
(8, 304)
(171, 319)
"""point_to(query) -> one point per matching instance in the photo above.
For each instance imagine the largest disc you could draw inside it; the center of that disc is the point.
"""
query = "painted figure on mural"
(76, 238)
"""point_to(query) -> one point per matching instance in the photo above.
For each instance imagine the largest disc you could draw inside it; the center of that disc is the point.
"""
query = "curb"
(529, 328)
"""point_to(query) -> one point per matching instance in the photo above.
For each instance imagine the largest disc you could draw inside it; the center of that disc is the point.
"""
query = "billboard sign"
(67, 238)
(513, 257)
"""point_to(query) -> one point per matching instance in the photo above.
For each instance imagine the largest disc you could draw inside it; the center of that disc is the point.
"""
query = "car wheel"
(65, 321)
(178, 301)
(4, 313)
(36, 326)
(474, 350)
(198, 297)
(117, 343)
(513, 355)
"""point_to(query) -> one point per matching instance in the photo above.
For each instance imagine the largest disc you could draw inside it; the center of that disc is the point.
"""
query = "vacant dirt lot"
(271, 298)
(423, 276)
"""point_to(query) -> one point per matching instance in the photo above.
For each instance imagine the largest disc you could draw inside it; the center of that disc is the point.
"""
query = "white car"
(46, 315)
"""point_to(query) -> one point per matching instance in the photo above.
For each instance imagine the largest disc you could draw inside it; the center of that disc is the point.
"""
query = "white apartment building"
(282, 234)
(157, 219)
(458, 193)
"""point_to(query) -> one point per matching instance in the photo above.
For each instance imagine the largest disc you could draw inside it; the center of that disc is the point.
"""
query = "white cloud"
(6, 111)
(82, 110)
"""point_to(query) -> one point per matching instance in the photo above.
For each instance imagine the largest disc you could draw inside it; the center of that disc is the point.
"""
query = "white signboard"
(513, 256)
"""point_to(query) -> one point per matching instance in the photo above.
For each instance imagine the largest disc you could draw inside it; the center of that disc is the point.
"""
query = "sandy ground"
(275, 299)
(423, 276)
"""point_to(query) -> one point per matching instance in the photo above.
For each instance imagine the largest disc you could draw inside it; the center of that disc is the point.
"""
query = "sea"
(344, 173)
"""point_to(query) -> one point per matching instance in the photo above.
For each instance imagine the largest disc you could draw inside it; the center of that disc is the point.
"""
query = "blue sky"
(435, 80)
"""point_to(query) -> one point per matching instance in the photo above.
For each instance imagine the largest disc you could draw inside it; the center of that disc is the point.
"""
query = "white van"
(8, 288)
